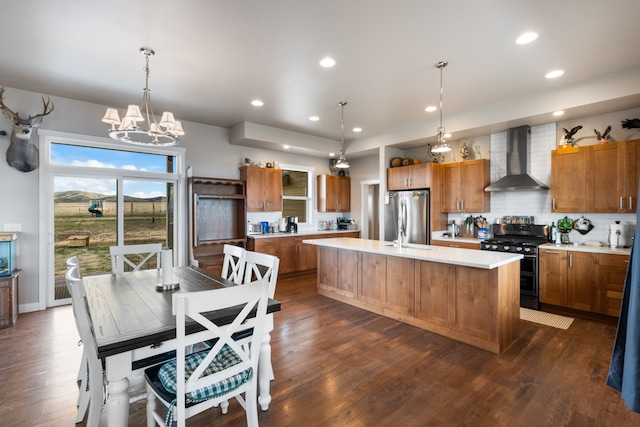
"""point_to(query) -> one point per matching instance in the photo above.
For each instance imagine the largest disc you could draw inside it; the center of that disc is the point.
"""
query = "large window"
(100, 194)
(296, 193)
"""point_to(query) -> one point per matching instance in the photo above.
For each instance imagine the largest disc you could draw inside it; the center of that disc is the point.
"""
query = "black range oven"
(521, 239)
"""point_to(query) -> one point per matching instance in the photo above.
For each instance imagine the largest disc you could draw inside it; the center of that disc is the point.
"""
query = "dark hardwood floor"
(337, 365)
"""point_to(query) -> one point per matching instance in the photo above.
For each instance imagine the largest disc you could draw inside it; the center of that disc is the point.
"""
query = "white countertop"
(456, 256)
(299, 233)
(586, 248)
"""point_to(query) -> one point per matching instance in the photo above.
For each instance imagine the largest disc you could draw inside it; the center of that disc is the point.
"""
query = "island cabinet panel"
(477, 306)
(435, 293)
(338, 271)
(476, 303)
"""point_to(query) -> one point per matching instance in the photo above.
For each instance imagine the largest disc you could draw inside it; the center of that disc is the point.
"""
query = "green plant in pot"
(565, 225)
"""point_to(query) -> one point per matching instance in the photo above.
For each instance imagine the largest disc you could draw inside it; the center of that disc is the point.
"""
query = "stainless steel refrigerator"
(410, 211)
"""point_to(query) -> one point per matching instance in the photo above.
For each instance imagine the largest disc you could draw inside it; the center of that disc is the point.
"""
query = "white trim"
(48, 171)
(311, 178)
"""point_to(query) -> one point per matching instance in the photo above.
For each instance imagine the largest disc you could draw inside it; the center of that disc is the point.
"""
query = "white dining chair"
(121, 255)
(91, 391)
(234, 263)
(192, 383)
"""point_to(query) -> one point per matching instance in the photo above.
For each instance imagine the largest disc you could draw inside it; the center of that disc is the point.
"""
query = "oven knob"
(527, 250)
(494, 247)
(519, 249)
(506, 248)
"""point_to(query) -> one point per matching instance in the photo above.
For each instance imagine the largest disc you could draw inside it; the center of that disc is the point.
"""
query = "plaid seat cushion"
(223, 360)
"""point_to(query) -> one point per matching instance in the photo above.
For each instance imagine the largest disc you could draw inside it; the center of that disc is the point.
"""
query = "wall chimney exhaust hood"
(518, 150)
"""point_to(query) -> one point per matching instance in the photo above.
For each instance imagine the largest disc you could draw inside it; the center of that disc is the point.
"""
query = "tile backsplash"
(538, 203)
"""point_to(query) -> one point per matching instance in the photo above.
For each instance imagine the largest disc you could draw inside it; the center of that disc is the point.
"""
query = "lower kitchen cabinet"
(294, 255)
(378, 270)
(338, 271)
(584, 281)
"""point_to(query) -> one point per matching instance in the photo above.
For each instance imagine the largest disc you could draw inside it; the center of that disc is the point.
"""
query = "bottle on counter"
(552, 232)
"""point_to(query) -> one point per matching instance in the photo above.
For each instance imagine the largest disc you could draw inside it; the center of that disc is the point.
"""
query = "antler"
(6, 110)
(46, 111)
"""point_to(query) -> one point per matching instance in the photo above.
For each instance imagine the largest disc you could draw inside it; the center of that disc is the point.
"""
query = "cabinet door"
(474, 177)
(568, 183)
(343, 186)
(451, 187)
(273, 190)
(400, 289)
(612, 271)
(435, 293)
(287, 251)
(582, 285)
(327, 275)
(632, 172)
(347, 274)
(477, 302)
(397, 178)
(605, 176)
(553, 277)
(372, 285)
(254, 178)
(307, 254)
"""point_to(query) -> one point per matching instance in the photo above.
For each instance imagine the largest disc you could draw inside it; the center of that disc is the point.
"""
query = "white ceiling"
(214, 56)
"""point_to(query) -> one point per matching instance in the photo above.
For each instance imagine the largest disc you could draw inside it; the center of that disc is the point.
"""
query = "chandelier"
(441, 146)
(159, 133)
(342, 162)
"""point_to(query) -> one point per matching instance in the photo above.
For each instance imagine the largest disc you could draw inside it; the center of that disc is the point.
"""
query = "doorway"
(370, 210)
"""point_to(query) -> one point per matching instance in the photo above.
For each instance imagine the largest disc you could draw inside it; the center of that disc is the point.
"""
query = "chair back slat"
(234, 263)
(121, 255)
(259, 266)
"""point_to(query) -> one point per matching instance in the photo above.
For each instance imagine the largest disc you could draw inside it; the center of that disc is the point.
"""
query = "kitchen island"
(468, 295)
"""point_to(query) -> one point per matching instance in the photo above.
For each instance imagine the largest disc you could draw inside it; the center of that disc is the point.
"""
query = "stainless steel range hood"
(518, 150)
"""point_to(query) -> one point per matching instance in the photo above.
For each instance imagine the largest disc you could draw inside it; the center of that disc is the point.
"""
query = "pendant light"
(165, 132)
(342, 162)
(441, 146)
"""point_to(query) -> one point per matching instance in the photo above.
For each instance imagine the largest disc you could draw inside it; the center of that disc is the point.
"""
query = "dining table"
(135, 327)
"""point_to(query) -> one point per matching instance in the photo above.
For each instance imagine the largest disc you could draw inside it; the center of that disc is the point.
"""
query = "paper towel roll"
(167, 267)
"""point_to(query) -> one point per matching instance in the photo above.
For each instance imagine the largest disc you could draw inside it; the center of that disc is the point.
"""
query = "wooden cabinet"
(410, 177)
(436, 293)
(264, 188)
(553, 277)
(568, 185)
(463, 186)
(596, 178)
(294, 255)
(333, 193)
(582, 280)
(387, 282)
(218, 217)
(9, 300)
(612, 271)
(338, 271)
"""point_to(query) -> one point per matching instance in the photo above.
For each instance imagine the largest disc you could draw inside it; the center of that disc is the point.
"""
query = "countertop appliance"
(619, 235)
(292, 224)
(522, 239)
(410, 211)
(253, 229)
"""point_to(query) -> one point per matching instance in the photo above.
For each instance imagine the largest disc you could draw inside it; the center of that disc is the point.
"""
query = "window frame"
(310, 190)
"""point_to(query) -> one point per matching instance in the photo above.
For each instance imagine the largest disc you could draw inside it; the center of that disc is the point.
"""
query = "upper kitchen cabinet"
(409, 177)
(334, 193)
(264, 188)
(596, 178)
(463, 186)
(568, 185)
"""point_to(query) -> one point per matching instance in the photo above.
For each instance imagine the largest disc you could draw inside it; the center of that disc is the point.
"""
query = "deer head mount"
(22, 154)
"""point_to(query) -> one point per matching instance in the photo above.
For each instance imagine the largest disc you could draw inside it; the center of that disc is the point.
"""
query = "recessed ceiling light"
(286, 147)
(257, 103)
(332, 154)
(314, 118)
(327, 62)
(357, 129)
(558, 113)
(431, 109)
(553, 74)
(527, 38)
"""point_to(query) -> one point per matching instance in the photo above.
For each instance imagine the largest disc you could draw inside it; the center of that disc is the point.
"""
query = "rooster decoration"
(631, 123)
(568, 135)
(603, 138)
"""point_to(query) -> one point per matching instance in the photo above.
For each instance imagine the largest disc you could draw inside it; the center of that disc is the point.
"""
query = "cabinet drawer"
(613, 260)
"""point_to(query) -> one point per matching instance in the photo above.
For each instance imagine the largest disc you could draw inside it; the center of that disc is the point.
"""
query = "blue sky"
(70, 155)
